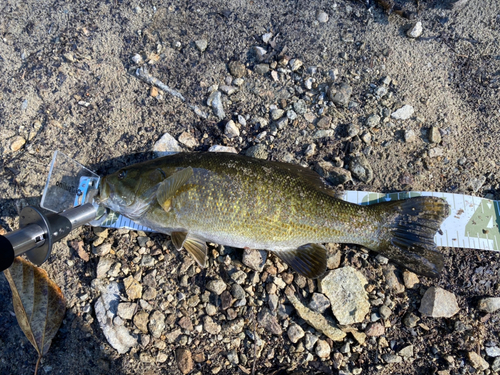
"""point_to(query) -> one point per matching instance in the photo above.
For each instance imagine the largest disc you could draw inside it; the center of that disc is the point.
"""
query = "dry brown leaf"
(38, 303)
(78, 247)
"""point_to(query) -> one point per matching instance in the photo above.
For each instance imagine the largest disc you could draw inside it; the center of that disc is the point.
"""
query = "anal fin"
(308, 260)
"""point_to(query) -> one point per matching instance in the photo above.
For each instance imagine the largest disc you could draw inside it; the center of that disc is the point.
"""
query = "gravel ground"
(340, 87)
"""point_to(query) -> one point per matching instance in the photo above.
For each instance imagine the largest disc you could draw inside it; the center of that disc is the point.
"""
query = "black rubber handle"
(6, 253)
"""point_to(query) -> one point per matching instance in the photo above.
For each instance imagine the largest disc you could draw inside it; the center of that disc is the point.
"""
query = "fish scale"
(241, 202)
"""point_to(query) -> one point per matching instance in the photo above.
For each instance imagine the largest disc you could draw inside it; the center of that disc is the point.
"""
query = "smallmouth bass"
(242, 202)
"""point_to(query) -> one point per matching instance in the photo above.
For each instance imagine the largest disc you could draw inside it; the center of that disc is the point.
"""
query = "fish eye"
(121, 175)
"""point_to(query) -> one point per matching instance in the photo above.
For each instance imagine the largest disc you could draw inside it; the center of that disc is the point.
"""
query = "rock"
(295, 64)
(478, 362)
(291, 114)
(133, 288)
(228, 90)
(269, 322)
(340, 96)
(391, 358)
(137, 59)
(237, 69)
(232, 357)
(276, 114)
(326, 133)
(385, 312)
(438, 303)
(237, 291)
(184, 360)
(231, 130)
(490, 304)
(218, 148)
(310, 150)
(310, 340)
(319, 302)
(267, 37)
(415, 31)
(318, 321)
(188, 140)
(258, 151)
(495, 366)
(126, 310)
(375, 330)
(215, 101)
(435, 152)
(372, 120)
(434, 135)
(323, 349)
(492, 351)
(103, 267)
(410, 279)
(102, 250)
(106, 311)
(141, 321)
(156, 324)
(322, 17)
(476, 183)
(217, 286)
(18, 143)
(360, 168)
(261, 69)
(334, 175)
(352, 130)
(403, 113)
(345, 288)
(299, 107)
(392, 279)
(410, 320)
(166, 145)
(409, 135)
(210, 326)
(201, 44)
(295, 333)
(255, 259)
(406, 352)
(324, 122)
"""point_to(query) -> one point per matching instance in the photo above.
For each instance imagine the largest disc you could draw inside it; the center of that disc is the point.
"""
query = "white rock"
(219, 148)
(345, 288)
(231, 130)
(438, 303)
(106, 312)
(137, 59)
(166, 145)
(415, 31)
(188, 140)
(490, 304)
(403, 113)
(267, 37)
(323, 350)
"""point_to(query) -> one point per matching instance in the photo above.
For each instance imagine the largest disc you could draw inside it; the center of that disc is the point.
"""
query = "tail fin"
(407, 233)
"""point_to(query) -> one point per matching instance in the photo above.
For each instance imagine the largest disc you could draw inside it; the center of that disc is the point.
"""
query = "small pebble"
(409, 135)
(237, 69)
(438, 303)
(323, 349)
(322, 17)
(18, 143)
(184, 360)
(403, 113)
(201, 44)
(490, 304)
(373, 120)
(295, 333)
(434, 135)
(415, 31)
(478, 362)
(231, 130)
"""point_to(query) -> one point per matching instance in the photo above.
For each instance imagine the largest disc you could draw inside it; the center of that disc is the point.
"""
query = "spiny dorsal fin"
(309, 260)
(195, 246)
(168, 187)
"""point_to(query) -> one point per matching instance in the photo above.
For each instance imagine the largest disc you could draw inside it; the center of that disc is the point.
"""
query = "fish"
(244, 202)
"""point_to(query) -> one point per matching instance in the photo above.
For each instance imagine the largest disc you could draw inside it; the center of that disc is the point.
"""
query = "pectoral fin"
(195, 246)
(309, 260)
(168, 187)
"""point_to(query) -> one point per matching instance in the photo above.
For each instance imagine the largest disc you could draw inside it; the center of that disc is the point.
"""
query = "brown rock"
(184, 360)
(375, 330)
